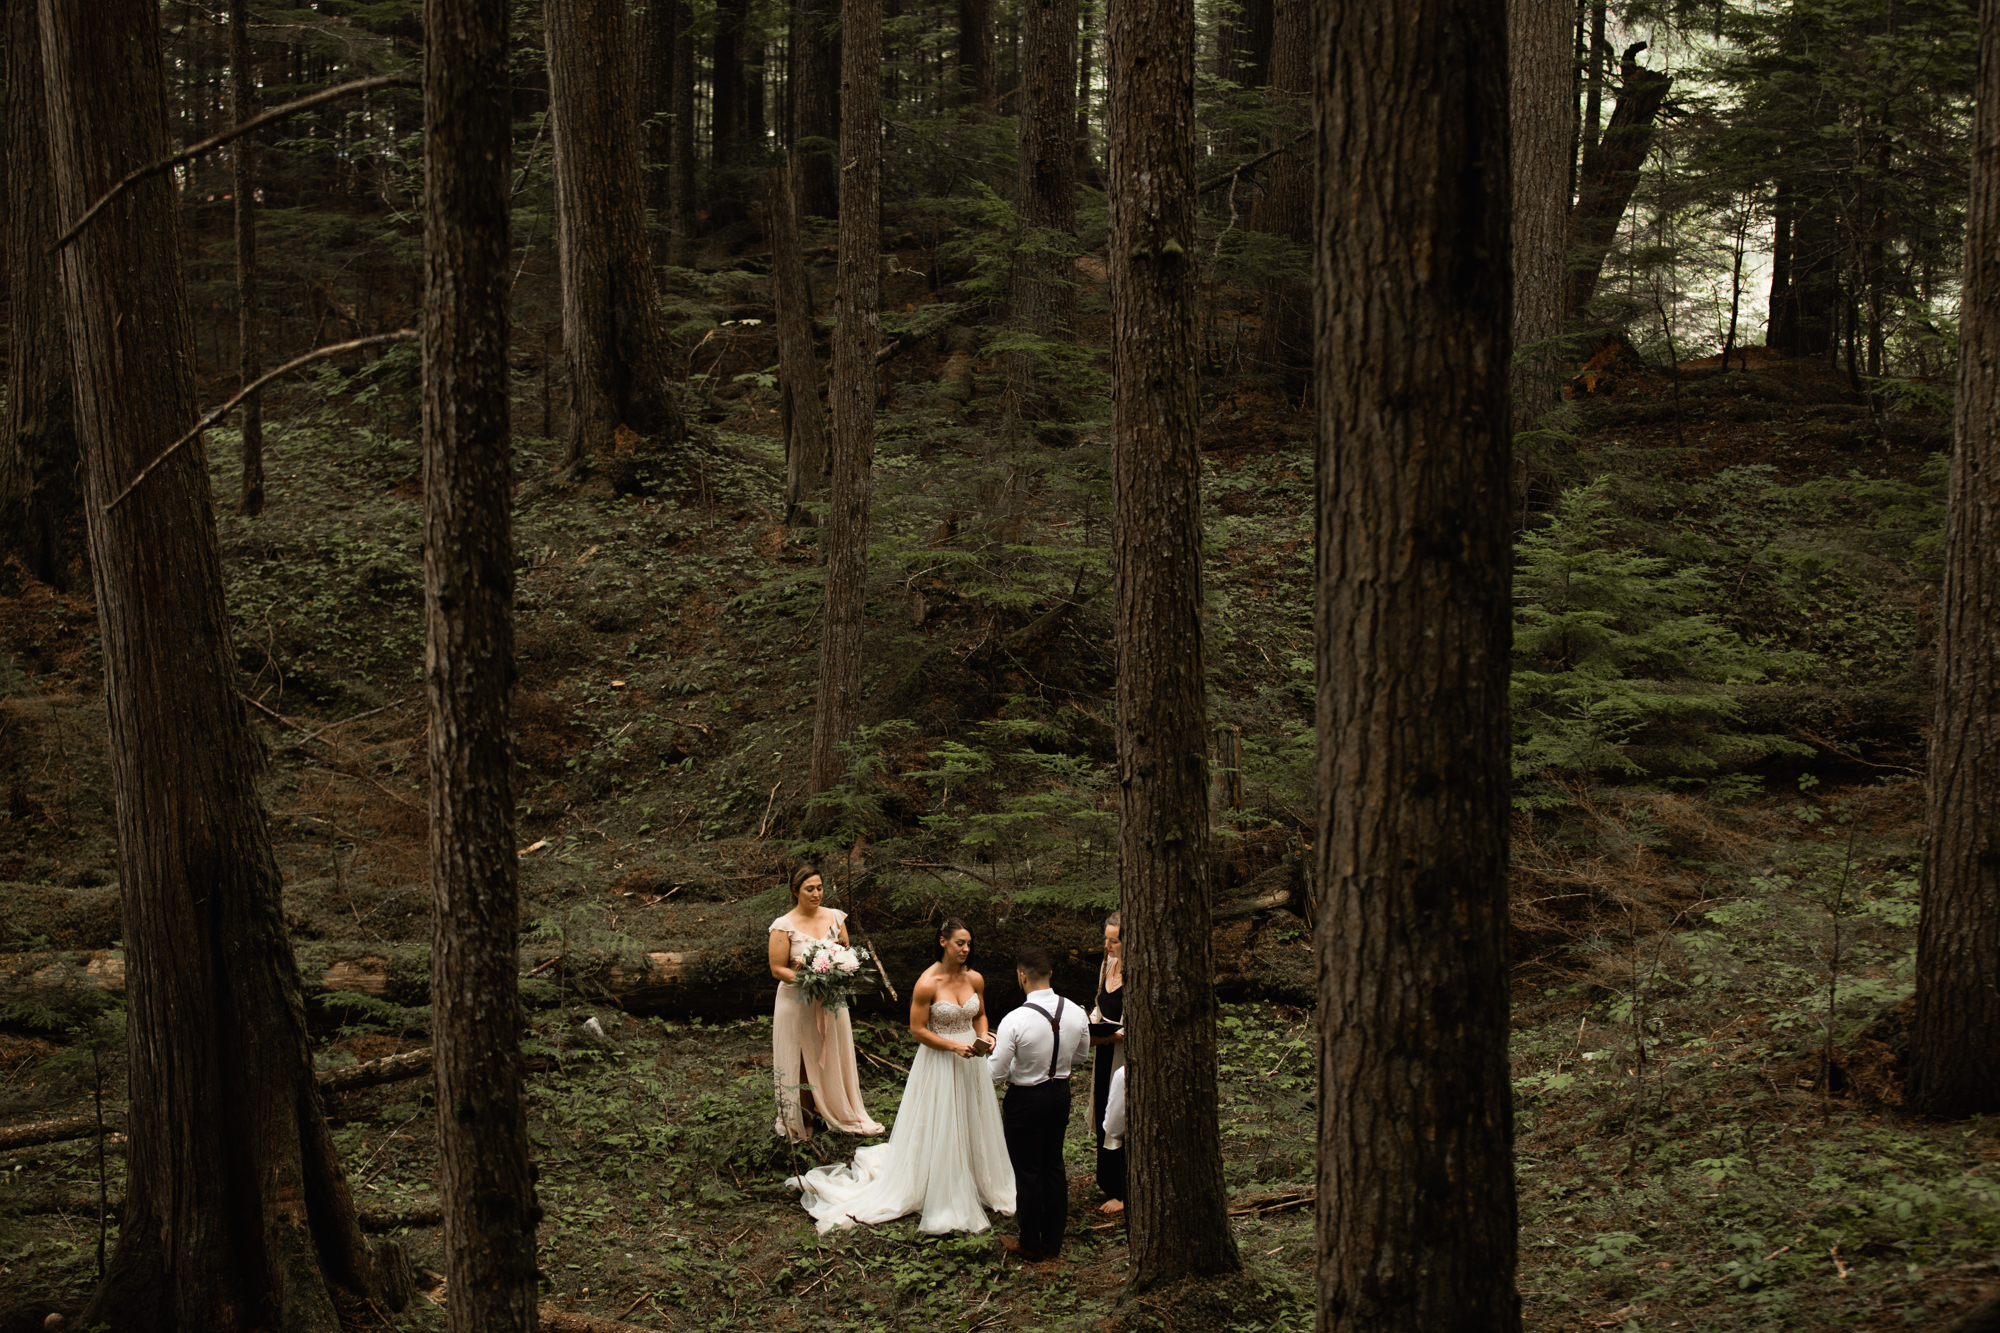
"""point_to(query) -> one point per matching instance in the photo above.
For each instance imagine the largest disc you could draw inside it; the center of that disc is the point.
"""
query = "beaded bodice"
(948, 1018)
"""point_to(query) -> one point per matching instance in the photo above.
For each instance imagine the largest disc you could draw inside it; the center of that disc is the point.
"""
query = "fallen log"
(38, 1132)
(1263, 902)
(373, 1073)
(569, 1321)
(422, 1211)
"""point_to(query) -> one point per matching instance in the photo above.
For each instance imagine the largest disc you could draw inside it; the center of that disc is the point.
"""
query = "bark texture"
(1044, 266)
(485, 1180)
(614, 341)
(801, 380)
(237, 1213)
(41, 504)
(1285, 208)
(857, 308)
(975, 55)
(1542, 108)
(1957, 1037)
(1416, 1209)
(249, 349)
(683, 164)
(1611, 173)
(1176, 1203)
(816, 107)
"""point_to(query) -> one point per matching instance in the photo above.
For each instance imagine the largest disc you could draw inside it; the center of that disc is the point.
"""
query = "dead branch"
(317, 354)
(569, 1321)
(216, 141)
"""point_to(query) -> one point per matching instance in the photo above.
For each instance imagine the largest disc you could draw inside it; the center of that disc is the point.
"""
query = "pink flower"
(822, 964)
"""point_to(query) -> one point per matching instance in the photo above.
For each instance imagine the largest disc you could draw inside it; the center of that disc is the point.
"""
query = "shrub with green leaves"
(1619, 665)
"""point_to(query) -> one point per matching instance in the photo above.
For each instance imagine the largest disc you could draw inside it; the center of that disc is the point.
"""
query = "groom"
(1033, 1050)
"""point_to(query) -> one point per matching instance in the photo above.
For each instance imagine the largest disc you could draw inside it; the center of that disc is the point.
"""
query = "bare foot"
(1111, 1206)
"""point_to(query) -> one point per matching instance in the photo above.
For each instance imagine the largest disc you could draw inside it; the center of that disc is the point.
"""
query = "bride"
(947, 1155)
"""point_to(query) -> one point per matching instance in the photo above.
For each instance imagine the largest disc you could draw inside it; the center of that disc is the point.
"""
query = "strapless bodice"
(948, 1019)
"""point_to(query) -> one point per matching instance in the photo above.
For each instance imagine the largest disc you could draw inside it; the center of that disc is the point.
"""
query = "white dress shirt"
(1021, 1044)
(1114, 1110)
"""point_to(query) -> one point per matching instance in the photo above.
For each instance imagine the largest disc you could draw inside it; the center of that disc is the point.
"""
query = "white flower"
(847, 960)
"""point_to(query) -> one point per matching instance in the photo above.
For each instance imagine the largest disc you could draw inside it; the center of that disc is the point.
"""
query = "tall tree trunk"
(1611, 174)
(1044, 265)
(1956, 1042)
(1285, 208)
(41, 506)
(485, 1178)
(858, 321)
(816, 107)
(729, 110)
(1086, 157)
(614, 341)
(249, 349)
(656, 95)
(1416, 1219)
(684, 166)
(1542, 109)
(975, 55)
(236, 1213)
(1177, 1205)
(801, 381)
(1805, 278)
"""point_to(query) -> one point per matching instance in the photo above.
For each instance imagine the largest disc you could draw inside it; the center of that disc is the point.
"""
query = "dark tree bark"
(1045, 265)
(656, 93)
(1805, 277)
(816, 107)
(684, 165)
(1416, 1219)
(729, 107)
(485, 1180)
(1956, 1042)
(1542, 107)
(236, 1214)
(975, 54)
(41, 504)
(1086, 158)
(249, 349)
(1177, 1205)
(801, 381)
(858, 322)
(614, 341)
(1286, 206)
(1611, 173)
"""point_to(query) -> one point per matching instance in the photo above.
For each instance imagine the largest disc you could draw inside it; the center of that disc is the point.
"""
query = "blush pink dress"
(813, 1048)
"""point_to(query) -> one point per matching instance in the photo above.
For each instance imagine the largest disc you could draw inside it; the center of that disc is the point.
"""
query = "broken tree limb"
(210, 418)
(236, 131)
(1263, 902)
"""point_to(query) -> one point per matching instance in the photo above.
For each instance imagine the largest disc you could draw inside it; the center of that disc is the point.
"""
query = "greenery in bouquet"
(829, 973)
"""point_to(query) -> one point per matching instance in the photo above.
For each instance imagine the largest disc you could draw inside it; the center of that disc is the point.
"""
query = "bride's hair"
(952, 925)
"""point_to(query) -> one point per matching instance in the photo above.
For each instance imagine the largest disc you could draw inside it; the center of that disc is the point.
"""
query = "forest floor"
(1707, 990)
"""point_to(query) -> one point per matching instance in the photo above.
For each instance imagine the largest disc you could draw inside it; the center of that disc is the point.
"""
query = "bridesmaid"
(1110, 1008)
(812, 1051)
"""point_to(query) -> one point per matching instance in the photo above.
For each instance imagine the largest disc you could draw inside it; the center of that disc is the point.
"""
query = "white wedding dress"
(946, 1156)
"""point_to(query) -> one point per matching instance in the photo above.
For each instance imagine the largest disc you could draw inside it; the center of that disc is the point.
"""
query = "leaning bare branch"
(216, 141)
(317, 354)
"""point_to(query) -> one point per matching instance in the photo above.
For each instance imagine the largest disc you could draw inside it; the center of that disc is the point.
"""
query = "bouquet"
(829, 973)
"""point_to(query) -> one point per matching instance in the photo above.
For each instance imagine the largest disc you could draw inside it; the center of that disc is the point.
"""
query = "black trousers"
(1035, 1119)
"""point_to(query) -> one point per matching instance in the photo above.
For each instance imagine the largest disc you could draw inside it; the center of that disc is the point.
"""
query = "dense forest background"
(1730, 492)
